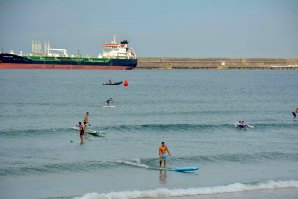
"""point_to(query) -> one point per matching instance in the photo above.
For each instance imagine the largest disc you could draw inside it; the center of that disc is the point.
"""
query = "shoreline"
(289, 193)
(168, 63)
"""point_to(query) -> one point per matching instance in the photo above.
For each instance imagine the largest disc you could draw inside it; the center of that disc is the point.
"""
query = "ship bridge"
(118, 51)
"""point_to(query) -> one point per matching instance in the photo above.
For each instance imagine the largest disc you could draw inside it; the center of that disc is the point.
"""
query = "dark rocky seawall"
(217, 63)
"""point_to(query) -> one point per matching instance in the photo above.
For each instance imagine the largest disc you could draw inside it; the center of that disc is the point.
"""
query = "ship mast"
(114, 39)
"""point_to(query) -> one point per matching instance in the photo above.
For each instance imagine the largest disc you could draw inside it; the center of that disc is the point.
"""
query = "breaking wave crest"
(134, 163)
(161, 193)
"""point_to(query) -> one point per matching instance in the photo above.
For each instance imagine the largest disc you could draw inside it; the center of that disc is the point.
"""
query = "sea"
(193, 111)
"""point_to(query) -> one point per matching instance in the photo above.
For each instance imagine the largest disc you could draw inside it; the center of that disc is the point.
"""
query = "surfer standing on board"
(295, 110)
(85, 120)
(163, 149)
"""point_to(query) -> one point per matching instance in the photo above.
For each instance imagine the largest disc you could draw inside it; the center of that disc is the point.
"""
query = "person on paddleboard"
(110, 101)
(295, 110)
(162, 151)
(81, 128)
(85, 120)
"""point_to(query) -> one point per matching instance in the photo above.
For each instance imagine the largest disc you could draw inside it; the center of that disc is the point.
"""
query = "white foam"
(159, 193)
(75, 128)
(136, 163)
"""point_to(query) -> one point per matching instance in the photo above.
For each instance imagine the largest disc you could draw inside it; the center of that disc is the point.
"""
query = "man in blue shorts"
(163, 149)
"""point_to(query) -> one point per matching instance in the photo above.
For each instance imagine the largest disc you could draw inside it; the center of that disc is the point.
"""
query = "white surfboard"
(91, 132)
(243, 126)
(109, 106)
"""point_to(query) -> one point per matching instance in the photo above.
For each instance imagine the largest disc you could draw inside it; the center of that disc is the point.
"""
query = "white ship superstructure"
(118, 51)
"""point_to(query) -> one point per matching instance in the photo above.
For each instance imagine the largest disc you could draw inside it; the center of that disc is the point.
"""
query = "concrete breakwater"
(217, 63)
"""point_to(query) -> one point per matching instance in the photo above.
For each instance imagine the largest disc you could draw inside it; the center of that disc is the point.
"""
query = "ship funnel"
(124, 42)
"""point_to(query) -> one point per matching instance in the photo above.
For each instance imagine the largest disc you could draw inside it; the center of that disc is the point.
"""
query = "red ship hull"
(62, 67)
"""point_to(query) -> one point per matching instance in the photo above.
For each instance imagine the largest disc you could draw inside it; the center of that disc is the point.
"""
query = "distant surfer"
(162, 151)
(241, 124)
(81, 128)
(295, 110)
(110, 101)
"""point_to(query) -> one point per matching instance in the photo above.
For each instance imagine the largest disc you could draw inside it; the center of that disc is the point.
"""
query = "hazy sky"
(169, 28)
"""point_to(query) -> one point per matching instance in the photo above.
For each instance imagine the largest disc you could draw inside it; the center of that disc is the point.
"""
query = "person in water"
(295, 110)
(110, 101)
(162, 151)
(241, 124)
(82, 132)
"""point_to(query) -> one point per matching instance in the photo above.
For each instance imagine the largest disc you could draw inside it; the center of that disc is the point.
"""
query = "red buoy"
(125, 83)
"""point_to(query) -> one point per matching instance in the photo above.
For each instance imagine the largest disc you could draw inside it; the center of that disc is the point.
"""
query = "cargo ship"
(115, 56)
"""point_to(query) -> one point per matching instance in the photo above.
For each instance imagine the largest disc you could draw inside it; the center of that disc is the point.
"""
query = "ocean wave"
(146, 128)
(144, 163)
(40, 132)
(193, 127)
(161, 193)
(276, 125)
(165, 127)
(25, 169)
(33, 132)
(240, 157)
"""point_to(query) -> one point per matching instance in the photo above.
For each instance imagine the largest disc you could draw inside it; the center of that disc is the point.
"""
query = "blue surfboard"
(179, 169)
(184, 169)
